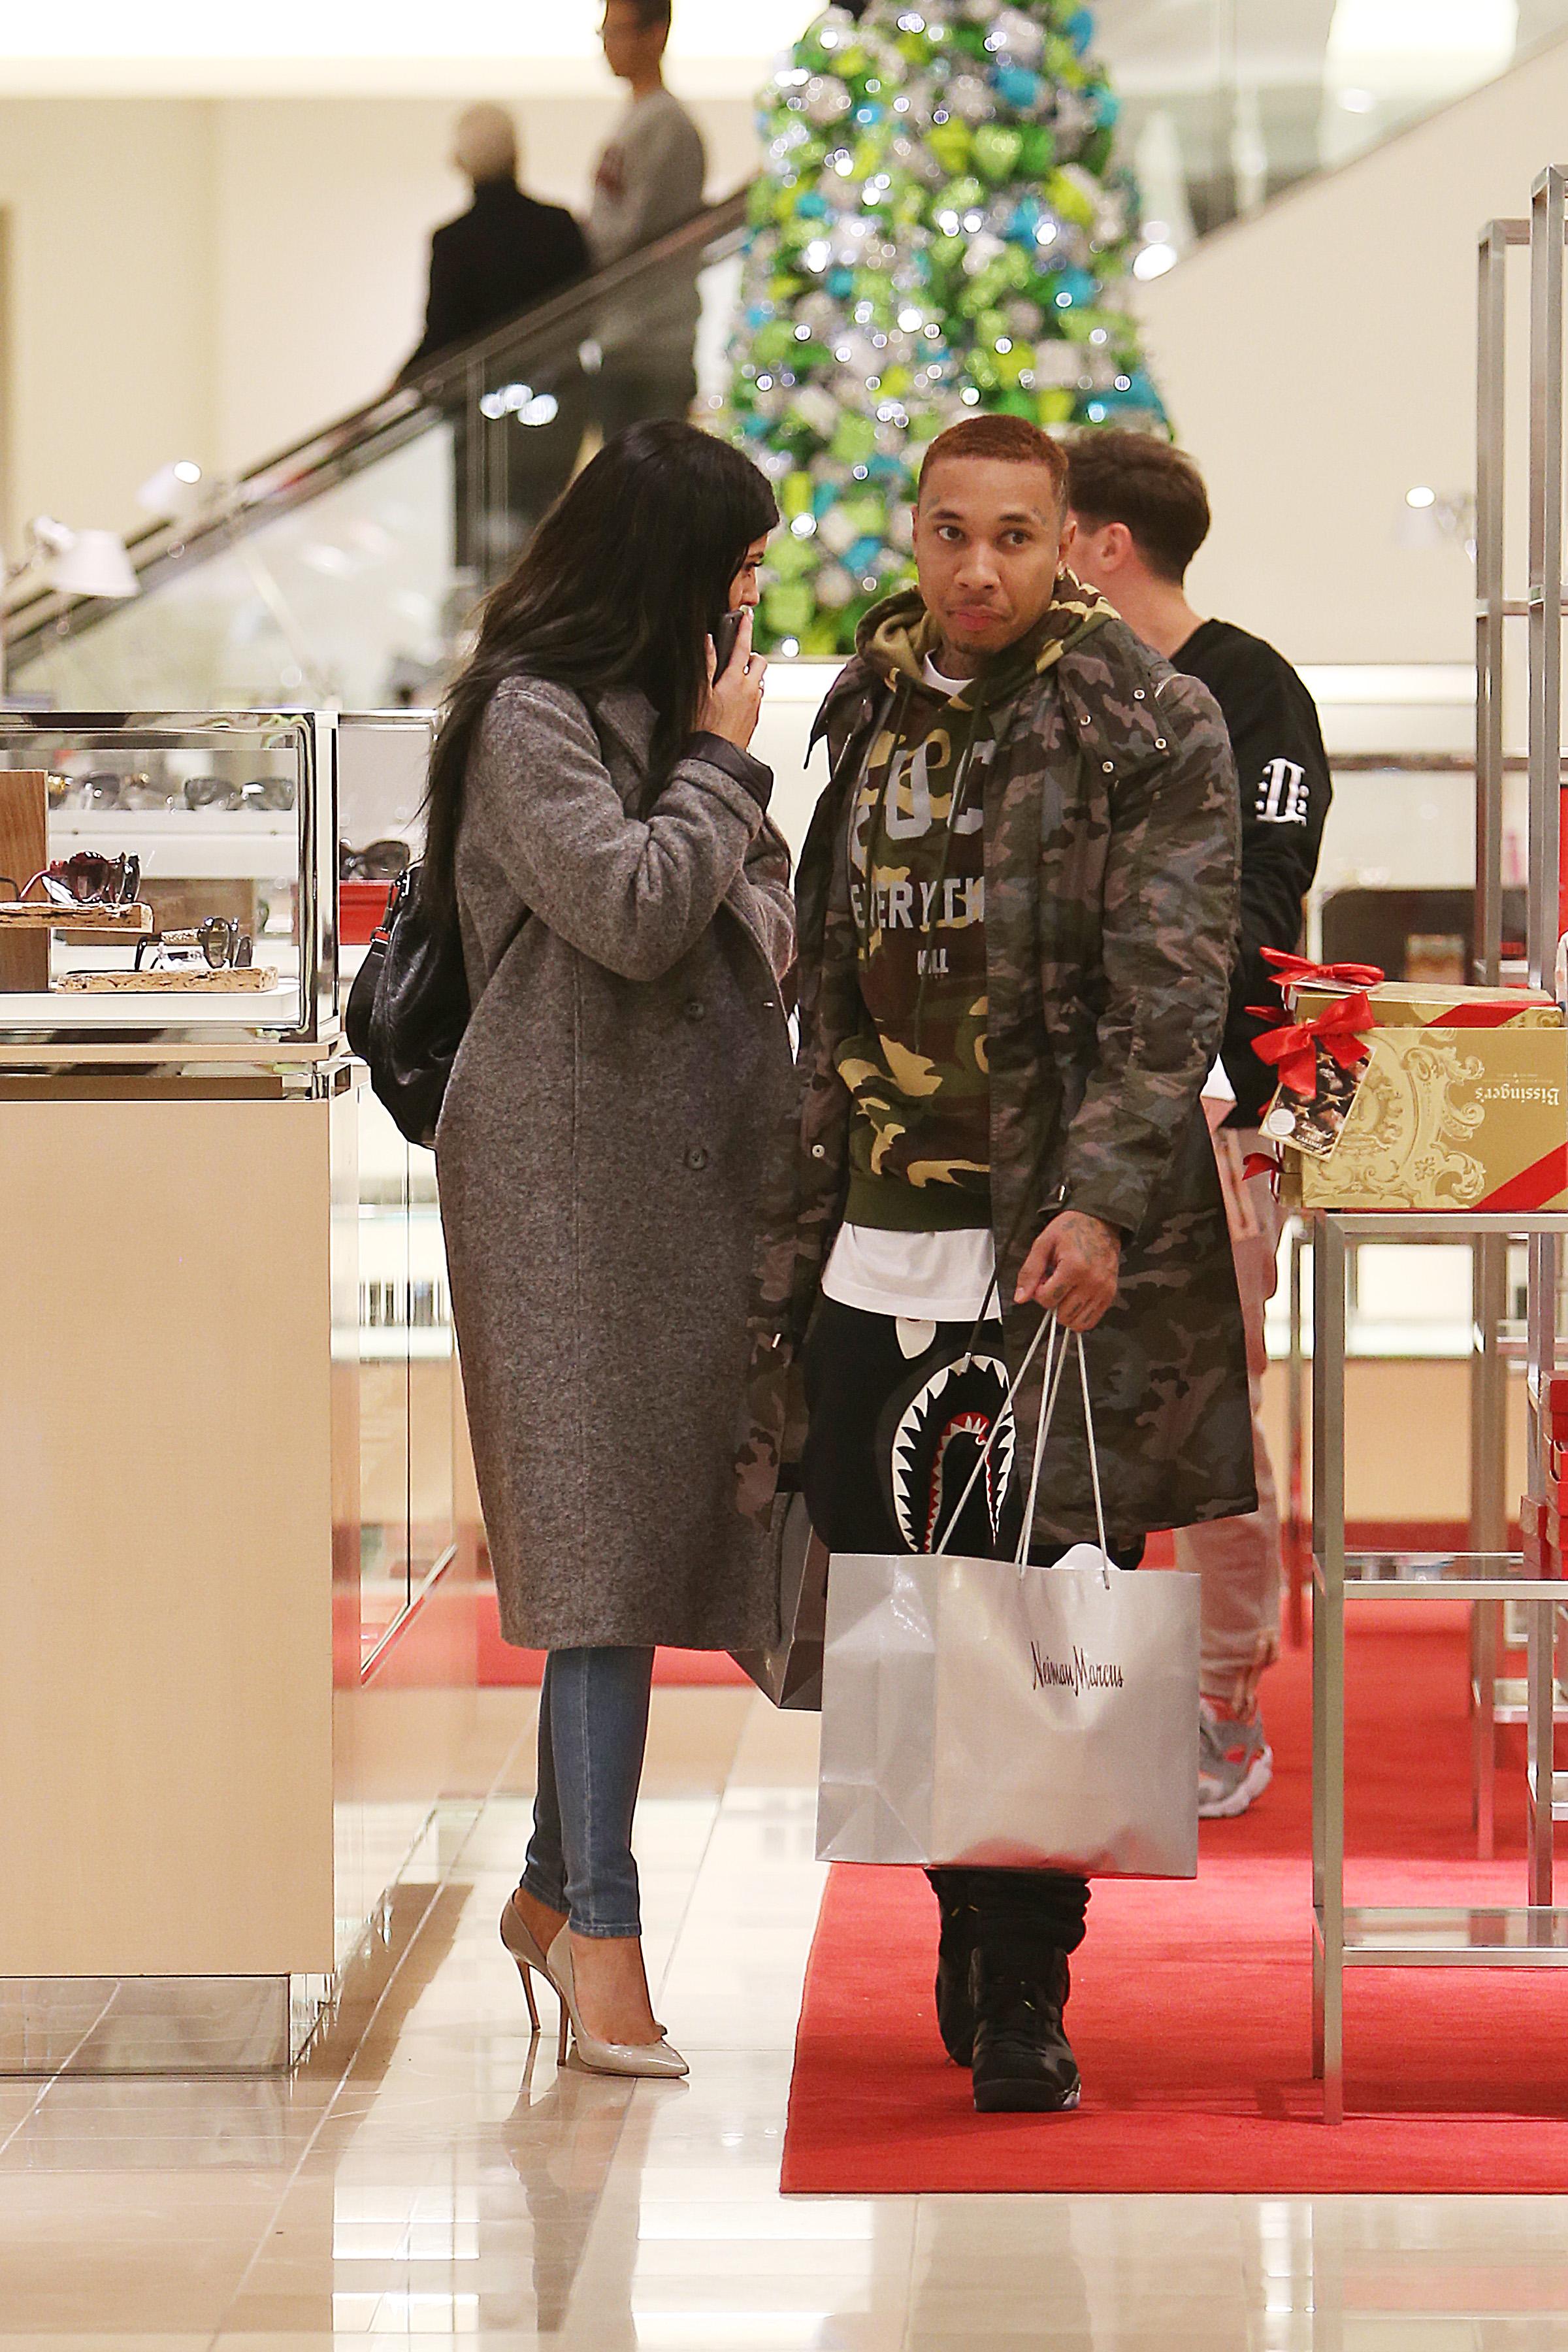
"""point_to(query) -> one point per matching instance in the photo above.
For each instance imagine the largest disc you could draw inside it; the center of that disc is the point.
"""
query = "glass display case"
(168, 873)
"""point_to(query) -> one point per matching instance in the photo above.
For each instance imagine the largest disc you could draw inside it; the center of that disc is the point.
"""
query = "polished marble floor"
(429, 2175)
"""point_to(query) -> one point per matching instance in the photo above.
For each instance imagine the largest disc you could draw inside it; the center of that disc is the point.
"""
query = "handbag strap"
(1055, 1363)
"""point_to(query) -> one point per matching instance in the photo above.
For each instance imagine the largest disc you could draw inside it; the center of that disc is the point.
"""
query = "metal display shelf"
(1534, 1934)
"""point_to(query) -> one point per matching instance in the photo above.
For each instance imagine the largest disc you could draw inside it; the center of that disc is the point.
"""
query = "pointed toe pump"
(653, 2058)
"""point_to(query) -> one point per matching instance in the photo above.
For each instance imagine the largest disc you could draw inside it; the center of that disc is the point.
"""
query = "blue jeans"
(592, 1729)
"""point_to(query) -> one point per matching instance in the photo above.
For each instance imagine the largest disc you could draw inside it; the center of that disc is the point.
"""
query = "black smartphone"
(725, 638)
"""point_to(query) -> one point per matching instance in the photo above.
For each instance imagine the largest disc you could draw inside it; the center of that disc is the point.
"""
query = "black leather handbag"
(408, 1008)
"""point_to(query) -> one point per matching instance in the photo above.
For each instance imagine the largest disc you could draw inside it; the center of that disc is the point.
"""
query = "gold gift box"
(1425, 1005)
(1446, 1115)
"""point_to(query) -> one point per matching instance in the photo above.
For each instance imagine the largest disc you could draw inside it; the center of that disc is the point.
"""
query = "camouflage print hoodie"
(1111, 856)
(915, 1069)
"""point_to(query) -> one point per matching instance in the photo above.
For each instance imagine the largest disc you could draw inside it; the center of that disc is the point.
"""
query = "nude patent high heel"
(521, 1942)
(648, 2058)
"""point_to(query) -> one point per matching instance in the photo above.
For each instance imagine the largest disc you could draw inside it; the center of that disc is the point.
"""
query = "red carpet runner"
(1191, 2011)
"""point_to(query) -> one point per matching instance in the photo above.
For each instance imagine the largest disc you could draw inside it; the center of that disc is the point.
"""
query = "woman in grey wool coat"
(598, 819)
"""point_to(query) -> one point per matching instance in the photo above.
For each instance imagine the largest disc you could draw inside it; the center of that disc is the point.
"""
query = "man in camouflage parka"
(1040, 1118)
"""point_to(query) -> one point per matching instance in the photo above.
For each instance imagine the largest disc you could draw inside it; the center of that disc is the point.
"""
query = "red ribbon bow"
(1293, 1047)
(1301, 971)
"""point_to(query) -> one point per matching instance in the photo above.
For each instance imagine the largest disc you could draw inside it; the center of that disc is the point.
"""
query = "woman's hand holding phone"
(734, 700)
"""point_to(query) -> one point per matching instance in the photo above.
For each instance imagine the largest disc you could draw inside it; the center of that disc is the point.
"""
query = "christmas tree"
(940, 228)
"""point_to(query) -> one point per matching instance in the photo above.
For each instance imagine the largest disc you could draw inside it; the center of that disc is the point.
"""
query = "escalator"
(342, 571)
(338, 574)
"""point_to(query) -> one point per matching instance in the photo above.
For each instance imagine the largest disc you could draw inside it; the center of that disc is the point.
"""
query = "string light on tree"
(939, 227)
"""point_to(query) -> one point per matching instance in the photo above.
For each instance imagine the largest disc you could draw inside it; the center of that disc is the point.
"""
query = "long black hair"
(622, 584)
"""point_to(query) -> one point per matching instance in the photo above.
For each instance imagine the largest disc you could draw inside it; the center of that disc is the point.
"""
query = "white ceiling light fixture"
(1155, 261)
(173, 492)
(94, 564)
(1430, 518)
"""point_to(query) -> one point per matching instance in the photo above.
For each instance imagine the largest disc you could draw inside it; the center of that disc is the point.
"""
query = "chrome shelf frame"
(1534, 1933)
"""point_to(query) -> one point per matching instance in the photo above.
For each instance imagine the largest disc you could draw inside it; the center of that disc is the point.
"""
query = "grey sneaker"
(1236, 1763)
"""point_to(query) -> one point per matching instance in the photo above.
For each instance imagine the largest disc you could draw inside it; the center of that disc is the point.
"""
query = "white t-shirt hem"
(940, 1278)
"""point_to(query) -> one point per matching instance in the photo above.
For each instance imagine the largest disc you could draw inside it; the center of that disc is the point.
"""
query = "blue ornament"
(1027, 218)
(885, 468)
(863, 554)
(811, 206)
(822, 498)
(1019, 88)
(759, 314)
(1075, 288)
(867, 112)
(840, 284)
(1107, 109)
(1079, 29)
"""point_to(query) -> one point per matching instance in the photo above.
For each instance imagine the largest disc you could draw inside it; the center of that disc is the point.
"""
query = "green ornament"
(1054, 407)
(1066, 196)
(795, 497)
(961, 196)
(997, 151)
(867, 514)
(856, 439)
(791, 559)
(1037, 150)
(950, 142)
(773, 344)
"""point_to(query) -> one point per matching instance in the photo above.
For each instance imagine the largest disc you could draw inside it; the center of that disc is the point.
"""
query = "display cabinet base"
(158, 2025)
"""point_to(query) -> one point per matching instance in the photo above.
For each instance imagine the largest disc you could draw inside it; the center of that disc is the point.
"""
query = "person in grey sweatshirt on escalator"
(649, 181)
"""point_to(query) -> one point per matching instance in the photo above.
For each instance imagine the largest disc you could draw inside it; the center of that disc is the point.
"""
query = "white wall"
(110, 338)
(215, 277)
(1320, 360)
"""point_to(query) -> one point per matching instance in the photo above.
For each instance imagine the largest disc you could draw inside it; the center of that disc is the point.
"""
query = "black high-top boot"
(1022, 2061)
(960, 1920)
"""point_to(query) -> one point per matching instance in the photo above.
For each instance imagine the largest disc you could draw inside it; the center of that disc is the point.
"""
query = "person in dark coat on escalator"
(505, 254)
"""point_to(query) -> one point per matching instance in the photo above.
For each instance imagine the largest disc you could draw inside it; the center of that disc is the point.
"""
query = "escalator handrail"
(548, 331)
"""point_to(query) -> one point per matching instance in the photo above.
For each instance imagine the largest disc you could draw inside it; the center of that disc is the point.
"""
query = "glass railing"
(1226, 103)
(341, 572)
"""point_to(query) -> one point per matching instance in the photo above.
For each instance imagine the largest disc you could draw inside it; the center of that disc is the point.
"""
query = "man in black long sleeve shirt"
(1142, 513)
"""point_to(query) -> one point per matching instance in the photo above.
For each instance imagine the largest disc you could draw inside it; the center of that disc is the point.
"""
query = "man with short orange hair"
(1017, 916)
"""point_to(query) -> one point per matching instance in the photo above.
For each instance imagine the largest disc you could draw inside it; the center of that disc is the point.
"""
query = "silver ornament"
(825, 99)
(969, 97)
(1017, 36)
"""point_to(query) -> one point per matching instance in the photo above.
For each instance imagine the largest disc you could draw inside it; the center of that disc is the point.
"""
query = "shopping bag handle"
(1048, 1393)
(1055, 1363)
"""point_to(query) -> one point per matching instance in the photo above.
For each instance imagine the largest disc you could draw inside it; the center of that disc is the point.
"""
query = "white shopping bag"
(985, 1713)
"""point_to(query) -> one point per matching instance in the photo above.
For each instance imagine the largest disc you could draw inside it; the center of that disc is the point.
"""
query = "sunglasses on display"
(87, 879)
(272, 792)
(105, 789)
(380, 861)
(216, 945)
